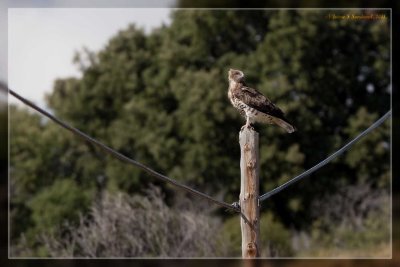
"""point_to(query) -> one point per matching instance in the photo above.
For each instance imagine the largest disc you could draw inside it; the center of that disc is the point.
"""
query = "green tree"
(58, 203)
(44, 166)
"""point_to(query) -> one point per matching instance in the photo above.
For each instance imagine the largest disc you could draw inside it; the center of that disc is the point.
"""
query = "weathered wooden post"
(249, 192)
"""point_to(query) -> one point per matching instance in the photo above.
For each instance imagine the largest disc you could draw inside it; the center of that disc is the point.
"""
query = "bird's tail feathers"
(285, 125)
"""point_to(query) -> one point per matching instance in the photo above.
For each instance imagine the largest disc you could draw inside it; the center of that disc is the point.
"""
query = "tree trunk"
(249, 192)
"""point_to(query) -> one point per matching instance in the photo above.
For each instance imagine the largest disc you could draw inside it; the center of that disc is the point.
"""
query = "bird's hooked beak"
(232, 73)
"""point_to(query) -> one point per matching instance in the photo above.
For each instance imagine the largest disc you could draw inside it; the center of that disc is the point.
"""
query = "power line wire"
(153, 173)
(327, 160)
(123, 157)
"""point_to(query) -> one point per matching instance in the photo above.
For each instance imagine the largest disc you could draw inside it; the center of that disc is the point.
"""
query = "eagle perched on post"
(253, 105)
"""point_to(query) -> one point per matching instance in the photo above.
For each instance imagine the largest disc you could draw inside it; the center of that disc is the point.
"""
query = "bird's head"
(235, 75)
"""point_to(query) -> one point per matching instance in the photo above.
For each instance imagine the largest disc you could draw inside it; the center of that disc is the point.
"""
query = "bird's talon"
(248, 126)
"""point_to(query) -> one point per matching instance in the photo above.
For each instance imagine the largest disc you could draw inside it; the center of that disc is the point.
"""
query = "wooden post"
(249, 192)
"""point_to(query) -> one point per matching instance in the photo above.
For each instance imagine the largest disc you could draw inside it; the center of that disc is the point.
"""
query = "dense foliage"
(161, 98)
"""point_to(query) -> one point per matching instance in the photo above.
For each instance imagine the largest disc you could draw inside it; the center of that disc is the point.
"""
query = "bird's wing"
(258, 101)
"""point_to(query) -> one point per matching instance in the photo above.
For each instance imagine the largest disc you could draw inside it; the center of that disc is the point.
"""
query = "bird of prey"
(253, 105)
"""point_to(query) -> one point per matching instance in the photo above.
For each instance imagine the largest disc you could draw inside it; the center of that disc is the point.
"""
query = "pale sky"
(42, 41)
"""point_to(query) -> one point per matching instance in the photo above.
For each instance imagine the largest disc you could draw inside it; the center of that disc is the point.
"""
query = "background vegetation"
(161, 98)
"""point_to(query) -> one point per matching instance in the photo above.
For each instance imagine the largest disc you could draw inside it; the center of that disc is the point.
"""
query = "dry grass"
(139, 226)
(380, 251)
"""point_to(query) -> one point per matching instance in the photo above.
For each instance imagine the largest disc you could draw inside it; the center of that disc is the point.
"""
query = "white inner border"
(269, 258)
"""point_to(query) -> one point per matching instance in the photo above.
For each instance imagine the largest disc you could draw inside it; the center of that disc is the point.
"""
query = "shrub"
(138, 226)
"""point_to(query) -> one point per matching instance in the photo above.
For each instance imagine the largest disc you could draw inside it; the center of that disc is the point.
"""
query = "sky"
(43, 41)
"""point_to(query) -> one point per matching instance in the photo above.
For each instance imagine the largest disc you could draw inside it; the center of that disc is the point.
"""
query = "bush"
(357, 218)
(62, 201)
(138, 226)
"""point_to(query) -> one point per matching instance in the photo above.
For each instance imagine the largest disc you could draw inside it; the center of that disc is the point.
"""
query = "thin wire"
(184, 187)
(123, 157)
(327, 160)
